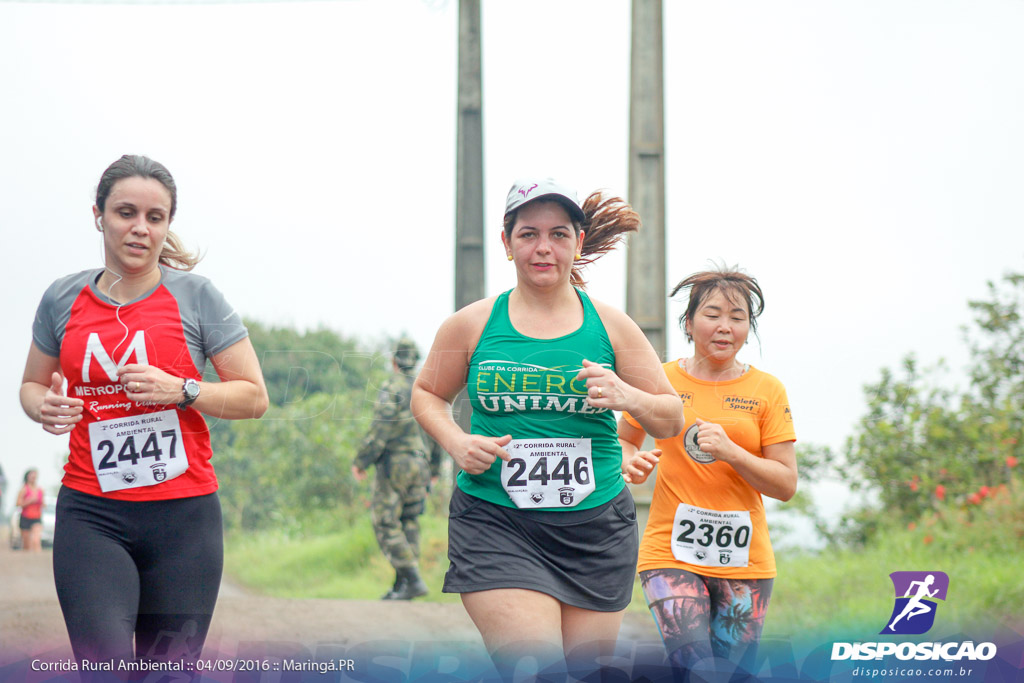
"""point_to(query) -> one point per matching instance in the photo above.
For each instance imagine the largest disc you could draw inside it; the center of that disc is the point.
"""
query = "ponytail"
(174, 255)
(606, 222)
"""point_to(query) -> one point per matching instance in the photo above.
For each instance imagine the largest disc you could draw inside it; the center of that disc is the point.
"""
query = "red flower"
(974, 499)
(913, 486)
(1011, 440)
(984, 492)
(940, 492)
(1011, 461)
(927, 539)
(912, 526)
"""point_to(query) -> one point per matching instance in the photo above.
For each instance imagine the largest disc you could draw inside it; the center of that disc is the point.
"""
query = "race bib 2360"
(711, 538)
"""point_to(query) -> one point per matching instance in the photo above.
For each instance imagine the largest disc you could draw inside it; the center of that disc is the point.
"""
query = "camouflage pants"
(399, 492)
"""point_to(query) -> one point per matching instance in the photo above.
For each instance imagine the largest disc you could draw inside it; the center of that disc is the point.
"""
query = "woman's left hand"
(640, 466)
(712, 439)
(149, 383)
(604, 388)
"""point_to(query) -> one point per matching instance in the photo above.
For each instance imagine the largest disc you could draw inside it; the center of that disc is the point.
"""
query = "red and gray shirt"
(141, 451)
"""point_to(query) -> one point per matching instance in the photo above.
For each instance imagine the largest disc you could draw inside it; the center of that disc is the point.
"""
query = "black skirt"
(583, 558)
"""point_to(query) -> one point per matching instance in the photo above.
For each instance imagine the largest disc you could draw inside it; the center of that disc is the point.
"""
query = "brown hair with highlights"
(173, 254)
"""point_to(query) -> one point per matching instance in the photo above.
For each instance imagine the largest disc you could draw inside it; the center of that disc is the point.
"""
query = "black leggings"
(147, 570)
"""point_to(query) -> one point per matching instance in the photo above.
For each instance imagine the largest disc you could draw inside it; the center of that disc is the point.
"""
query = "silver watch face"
(191, 389)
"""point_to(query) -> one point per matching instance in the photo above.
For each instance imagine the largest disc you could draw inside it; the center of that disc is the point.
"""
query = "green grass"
(833, 593)
(323, 563)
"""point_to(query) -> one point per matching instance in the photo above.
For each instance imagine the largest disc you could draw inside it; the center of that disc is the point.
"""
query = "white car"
(49, 522)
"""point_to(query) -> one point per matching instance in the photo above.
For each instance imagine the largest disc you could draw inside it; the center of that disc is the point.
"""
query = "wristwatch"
(190, 390)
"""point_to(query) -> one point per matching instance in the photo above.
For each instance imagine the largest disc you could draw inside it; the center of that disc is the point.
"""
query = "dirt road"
(399, 636)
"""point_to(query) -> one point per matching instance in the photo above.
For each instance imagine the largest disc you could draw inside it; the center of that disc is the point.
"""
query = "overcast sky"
(862, 159)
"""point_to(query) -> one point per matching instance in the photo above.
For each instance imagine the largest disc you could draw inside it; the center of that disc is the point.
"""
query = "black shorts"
(26, 523)
(583, 558)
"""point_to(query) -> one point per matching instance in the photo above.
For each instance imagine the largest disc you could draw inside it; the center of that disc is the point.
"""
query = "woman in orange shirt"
(706, 562)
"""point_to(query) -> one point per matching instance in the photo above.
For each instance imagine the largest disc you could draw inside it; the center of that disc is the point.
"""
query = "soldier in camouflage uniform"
(395, 447)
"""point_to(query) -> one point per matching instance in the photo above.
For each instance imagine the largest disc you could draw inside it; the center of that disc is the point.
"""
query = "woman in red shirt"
(138, 547)
(30, 500)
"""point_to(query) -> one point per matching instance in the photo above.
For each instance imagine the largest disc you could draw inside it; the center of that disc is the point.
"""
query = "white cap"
(528, 189)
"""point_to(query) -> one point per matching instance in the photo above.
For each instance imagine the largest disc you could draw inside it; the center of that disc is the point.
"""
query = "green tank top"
(526, 387)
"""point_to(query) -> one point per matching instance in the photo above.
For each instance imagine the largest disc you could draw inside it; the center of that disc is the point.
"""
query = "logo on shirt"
(787, 414)
(508, 387)
(687, 398)
(565, 496)
(743, 403)
(692, 449)
(94, 350)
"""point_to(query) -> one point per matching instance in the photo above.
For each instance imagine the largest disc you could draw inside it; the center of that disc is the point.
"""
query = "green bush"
(921, 444)
(841, 592)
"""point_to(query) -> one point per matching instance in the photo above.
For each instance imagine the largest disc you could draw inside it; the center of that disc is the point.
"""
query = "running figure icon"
(915, 606)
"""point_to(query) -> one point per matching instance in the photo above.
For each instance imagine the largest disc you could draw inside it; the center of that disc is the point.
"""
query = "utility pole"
(645, 264)
(469, 183)
(645, 258)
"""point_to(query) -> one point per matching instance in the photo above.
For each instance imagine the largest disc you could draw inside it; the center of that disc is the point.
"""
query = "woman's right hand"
(640, 465)
(58, 413)
(476, 453)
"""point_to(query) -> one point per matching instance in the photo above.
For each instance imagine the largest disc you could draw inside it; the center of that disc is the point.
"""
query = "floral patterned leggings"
(702, 616)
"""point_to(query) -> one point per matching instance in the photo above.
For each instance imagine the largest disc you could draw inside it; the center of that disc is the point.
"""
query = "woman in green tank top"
(541, 466)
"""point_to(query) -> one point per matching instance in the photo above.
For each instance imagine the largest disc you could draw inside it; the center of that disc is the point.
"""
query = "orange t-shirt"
(705, 518)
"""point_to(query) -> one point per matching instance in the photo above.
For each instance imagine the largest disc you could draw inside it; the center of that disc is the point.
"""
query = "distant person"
(395, 447)
(542, 532)
(30, 500)
(706, 562)
(3, 487)
(138, 549)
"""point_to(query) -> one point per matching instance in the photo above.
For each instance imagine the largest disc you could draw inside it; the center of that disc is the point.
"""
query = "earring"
(510, 257)
(99, 223)
(578, 257)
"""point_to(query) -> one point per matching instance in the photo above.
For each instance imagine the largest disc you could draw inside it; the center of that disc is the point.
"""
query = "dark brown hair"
(606, 221)
(732, 282)
(173, 254)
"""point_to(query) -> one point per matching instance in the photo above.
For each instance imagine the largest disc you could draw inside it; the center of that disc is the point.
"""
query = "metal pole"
(645, 266)
(469, 185)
